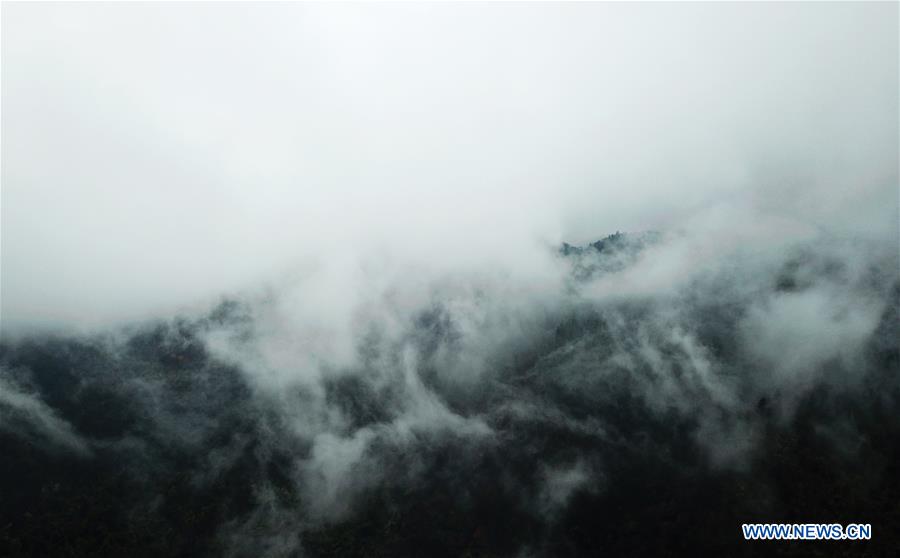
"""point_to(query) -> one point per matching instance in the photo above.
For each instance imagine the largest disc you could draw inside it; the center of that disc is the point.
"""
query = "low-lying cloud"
(293, 280)
(142, 175)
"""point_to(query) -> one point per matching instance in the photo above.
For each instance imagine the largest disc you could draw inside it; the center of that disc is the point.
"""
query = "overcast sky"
(154, 155)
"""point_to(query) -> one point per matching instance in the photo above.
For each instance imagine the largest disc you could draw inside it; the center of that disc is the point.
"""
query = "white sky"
(158, 154)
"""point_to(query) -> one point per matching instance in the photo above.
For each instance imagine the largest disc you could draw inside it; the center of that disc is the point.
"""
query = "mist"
(447, 279)
(157, 155)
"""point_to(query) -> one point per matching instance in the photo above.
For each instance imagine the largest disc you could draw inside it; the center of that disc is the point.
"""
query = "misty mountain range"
(448, 279)
(600, 419)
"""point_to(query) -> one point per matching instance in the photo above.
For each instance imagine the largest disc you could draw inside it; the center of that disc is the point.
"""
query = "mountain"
(478, 424)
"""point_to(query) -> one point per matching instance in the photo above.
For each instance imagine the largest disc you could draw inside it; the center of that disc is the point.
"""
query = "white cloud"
(157, 155)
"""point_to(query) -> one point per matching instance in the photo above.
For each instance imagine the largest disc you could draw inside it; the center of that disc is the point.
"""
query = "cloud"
(334, 247)
(144, 175)
(24, 414)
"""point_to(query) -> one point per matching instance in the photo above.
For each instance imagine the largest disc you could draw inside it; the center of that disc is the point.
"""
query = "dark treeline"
(601, 433)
